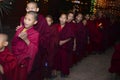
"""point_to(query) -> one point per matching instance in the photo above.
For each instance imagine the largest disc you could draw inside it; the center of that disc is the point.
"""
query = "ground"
(93, 67)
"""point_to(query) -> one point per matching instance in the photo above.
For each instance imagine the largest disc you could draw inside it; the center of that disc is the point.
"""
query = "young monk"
(25, 45)
(8, 61)
(115, 61)
(49, 57)
(81, 36)
(43, 29)
(71, 23)
(101, 33)
(92, 31)
(65, 46)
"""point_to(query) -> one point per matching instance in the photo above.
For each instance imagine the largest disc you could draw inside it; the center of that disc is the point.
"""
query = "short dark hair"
(70, 12)
(35, 14)
(33, 2)
(50, 16)
(63, 14)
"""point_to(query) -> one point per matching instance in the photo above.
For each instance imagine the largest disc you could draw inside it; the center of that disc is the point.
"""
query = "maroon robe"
(39, 62)
(9, 63)
(115, 62)
(43, 28)
(100, 35)
(25, 53)
(53, 45)
(81, 39)
(62, 57)
(92, 31)
(73, 56)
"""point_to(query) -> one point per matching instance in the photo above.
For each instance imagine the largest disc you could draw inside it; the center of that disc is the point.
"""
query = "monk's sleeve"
(33, 46)
(10, 64)
(44, 30)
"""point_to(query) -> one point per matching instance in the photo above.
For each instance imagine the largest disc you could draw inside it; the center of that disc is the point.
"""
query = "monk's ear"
(26, 10)
(37, 9)
(35, 22)
(5, 43)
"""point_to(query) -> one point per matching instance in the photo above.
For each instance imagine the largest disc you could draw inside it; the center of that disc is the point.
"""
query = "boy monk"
(25, 45)
(8, 61)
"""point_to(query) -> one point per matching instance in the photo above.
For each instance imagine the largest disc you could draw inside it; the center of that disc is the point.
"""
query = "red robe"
(53, 45)
(81, 39)
(73, 56)
(25, 53)
(62, 57)
(93, 36)
(100, 35)
(44, 30)
(9, 63)
(115, 62)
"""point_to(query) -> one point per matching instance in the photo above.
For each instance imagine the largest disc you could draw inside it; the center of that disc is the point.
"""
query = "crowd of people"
(42, 49)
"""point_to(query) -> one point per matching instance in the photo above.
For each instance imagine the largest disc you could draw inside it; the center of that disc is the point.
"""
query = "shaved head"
(3, 37)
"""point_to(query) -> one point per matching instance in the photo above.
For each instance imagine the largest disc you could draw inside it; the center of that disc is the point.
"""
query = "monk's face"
(3, 41)
(93, 17)
(29, 21)
(87, 17)
(70, 17)
(63, 19)
(100, 14)
(49, 20)
(79, 17)
(32, 7)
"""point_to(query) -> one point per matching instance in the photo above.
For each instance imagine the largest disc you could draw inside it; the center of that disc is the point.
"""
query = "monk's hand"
(18, 27)
(64, 41)
(61, 43)
(23, 36)
(74, 47)
(1, 69)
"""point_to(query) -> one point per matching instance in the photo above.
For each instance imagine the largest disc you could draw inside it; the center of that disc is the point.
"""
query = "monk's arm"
(74, 45)
(27, 41)
(64, 41)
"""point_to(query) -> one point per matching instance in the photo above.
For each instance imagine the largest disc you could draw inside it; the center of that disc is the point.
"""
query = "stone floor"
(93, 67)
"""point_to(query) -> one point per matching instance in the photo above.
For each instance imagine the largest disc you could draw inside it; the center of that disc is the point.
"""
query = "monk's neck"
(28, 28)
(2, 49)
(62, 25)
(78, 21)
(69, 21)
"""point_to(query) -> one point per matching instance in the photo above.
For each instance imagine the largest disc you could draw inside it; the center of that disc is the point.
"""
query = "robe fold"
(25, 53)
(9, 63)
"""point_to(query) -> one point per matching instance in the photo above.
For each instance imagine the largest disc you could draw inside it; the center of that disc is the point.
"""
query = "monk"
(25, 45)
(49, 57)
(81, 36)
(115, 62)
(65, 46)
(8, 61)
(44, 30)
(71, 24)
(101, 33)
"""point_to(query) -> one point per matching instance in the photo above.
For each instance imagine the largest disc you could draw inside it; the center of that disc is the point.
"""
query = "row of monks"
(43, 48)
